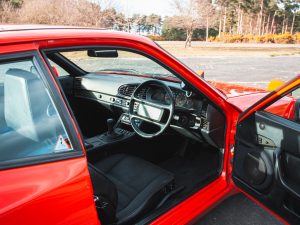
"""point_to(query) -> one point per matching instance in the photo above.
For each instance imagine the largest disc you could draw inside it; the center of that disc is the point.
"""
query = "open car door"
(266, 162)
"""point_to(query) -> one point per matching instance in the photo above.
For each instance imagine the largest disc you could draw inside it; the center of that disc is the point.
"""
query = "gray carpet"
(238, 210)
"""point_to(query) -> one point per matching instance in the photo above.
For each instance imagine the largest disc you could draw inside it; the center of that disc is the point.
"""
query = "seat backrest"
(106, 193)
(25, 103)
(2, 119)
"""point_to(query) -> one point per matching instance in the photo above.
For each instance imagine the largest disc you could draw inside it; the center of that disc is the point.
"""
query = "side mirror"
(102, 53)
(297, 111)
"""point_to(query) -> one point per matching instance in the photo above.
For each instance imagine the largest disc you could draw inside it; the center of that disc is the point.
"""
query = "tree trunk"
(261, 17)
(239, 19)
(251, 27)
(268, 23)
(272, 25)
(206, 39)
(224, 20)
(293, 23)
(263, 25)
(241, 23)
(257, 24)
(188, 38)
(220, 25)
(283, 23)
(286, 25)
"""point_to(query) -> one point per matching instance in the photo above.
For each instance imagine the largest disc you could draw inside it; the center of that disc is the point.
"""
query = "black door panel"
(267, 162)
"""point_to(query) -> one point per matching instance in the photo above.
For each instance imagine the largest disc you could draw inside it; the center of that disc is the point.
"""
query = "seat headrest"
(25, 102)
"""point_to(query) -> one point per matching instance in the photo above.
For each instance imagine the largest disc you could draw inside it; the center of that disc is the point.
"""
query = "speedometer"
(180, 99)
(158, 95)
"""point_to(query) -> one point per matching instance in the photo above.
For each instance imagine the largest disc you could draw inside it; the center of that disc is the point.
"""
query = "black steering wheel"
(158, 114)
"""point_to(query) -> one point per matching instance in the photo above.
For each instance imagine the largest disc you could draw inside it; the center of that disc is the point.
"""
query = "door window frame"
(49, 84)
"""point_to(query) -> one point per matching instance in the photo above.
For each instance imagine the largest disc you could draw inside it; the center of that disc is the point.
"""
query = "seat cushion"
(139, 184)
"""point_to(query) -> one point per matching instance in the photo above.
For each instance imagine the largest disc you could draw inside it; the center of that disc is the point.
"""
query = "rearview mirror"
(102, 53)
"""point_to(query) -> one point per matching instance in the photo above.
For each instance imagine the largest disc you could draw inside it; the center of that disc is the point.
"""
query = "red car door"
(43, 169)
(267, 154)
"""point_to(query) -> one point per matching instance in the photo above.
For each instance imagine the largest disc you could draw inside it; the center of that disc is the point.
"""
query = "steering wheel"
(158, 114)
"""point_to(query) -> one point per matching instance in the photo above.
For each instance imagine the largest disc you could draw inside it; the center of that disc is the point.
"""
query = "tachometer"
(180, 99)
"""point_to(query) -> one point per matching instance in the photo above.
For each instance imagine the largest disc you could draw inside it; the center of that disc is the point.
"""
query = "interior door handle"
(293, 189)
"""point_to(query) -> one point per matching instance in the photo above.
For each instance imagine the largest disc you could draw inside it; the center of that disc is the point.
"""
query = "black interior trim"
(280, 190)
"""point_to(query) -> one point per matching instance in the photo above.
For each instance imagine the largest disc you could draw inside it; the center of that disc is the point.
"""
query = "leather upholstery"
(139, 184)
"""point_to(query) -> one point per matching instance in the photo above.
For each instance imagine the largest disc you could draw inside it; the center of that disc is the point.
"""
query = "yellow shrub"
(286, 38)
(156, 38)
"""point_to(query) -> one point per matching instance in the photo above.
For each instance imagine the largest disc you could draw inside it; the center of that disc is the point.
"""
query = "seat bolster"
(103, 186)
(148, 198)
(106, 193)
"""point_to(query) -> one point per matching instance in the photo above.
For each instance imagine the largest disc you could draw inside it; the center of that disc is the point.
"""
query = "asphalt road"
(254, 71)
(238, 210)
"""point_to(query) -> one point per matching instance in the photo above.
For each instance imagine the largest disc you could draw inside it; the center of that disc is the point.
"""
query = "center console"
(115, 134)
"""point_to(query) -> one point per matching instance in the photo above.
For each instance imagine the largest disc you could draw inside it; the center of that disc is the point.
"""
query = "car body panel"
(34, 193)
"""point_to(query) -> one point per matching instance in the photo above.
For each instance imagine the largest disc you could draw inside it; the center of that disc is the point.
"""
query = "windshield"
(126, 63)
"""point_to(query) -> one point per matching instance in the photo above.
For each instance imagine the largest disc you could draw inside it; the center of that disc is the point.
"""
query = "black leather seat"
(128, 187)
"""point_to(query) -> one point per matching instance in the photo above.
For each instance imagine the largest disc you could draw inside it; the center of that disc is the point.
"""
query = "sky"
(145, 7)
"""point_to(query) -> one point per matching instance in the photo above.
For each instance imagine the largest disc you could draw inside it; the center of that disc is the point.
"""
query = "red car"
(106, 127)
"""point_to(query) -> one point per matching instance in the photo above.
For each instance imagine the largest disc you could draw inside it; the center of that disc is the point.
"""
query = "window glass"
(29, 122)
(124, 62)
(286, 106)
(60, 72)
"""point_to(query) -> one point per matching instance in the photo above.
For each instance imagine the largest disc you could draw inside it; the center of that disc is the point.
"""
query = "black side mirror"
(297, 111)
(102, 53)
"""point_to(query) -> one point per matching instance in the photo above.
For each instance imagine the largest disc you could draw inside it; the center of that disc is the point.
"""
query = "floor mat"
(193, 170)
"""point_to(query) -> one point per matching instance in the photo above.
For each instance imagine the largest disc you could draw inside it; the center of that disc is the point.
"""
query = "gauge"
(180, 99)
(167, 99)
(158, 95)
(189, 103)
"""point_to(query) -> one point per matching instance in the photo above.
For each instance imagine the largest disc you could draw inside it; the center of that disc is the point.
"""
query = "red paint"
(61, 192)
(50, 193)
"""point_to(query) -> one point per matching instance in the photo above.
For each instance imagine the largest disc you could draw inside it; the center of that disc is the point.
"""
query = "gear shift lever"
(110, 126)
(111, 134)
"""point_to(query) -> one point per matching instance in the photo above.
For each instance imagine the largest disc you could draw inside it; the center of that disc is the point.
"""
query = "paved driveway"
(238, 210)
(254, 71)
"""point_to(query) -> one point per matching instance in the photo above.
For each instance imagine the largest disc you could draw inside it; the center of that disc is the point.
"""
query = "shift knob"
(110, 125)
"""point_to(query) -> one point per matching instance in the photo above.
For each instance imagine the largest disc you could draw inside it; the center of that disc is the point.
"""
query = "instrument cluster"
(180, 97)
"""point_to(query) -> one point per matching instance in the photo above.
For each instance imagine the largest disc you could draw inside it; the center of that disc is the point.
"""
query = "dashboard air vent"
(127, 89)
(77, 83)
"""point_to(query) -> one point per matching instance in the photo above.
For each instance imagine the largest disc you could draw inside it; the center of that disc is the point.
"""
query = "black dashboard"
(194, 116)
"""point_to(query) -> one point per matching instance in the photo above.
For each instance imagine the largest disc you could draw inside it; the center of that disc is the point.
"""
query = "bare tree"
(188, 18)
(206, 12)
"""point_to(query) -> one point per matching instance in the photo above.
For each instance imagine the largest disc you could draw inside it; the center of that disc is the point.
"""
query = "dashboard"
(194, 116)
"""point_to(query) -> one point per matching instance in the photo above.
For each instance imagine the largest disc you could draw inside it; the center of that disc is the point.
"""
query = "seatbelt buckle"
(100, 204)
